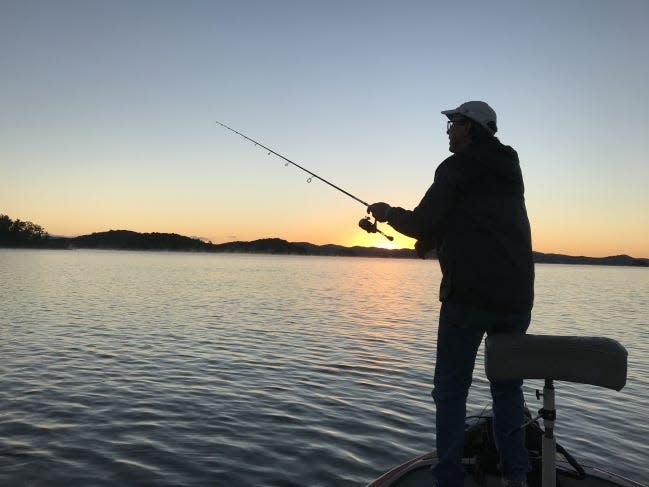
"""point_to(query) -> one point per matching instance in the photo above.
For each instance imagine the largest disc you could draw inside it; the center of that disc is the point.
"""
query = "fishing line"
(365, 223)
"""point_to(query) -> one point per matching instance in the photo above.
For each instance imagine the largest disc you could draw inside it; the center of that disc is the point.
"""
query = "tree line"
(21, 233)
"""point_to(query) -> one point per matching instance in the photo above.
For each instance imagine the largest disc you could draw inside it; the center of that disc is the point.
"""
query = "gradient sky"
(108, 110)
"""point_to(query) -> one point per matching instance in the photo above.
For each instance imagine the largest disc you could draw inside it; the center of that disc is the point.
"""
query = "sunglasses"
(450, 123)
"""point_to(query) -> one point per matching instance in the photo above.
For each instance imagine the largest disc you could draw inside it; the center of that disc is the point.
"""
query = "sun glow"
(362, 239)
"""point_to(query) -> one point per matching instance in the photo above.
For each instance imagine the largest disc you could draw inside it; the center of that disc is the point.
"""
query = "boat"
(597, 361)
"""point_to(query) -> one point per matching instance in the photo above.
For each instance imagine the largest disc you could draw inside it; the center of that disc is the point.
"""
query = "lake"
(169, 369)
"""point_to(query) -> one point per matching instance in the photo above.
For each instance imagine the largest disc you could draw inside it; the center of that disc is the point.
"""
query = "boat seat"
(586, 360)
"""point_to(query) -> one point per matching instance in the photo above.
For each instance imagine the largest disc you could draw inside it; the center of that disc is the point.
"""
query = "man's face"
(458, 133)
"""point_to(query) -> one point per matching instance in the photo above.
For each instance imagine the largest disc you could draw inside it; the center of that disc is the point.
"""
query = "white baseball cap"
(478, 111)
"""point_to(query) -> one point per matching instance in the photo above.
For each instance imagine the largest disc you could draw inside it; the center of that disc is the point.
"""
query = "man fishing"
(474, 215)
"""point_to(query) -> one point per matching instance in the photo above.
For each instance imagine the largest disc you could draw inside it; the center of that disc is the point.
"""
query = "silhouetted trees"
(27, 234)
(128, 240)
(17, 233)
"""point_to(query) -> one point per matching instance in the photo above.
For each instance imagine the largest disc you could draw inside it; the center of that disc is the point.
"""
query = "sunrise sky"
(108, 111)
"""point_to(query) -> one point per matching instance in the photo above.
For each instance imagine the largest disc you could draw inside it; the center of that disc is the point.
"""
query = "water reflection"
(180, 368)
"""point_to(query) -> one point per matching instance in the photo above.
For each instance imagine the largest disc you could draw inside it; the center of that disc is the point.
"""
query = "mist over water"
(143, 368)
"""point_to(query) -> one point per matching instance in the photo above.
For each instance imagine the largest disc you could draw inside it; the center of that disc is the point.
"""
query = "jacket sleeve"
(426, 220)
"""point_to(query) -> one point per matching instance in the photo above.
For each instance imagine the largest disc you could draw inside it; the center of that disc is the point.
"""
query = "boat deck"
(417, 474)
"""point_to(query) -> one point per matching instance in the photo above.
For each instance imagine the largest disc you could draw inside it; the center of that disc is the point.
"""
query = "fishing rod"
(365, 223)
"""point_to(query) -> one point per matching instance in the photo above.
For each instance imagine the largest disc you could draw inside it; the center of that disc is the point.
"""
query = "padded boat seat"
(586, 360)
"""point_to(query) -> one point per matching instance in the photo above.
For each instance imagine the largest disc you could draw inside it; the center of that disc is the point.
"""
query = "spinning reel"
(370, 227)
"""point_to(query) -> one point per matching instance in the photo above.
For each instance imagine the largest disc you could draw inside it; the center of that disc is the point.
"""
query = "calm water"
(137, 368)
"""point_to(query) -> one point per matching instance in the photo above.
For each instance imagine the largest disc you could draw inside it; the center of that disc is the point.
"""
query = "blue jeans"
(460, 333)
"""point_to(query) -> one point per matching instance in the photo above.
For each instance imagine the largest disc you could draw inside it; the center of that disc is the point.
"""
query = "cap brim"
(448, 113)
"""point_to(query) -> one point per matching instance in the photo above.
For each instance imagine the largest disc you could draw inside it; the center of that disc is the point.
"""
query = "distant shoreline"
(129, 240)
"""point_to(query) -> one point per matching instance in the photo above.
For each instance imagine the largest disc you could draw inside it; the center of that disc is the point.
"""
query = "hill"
(129, 240)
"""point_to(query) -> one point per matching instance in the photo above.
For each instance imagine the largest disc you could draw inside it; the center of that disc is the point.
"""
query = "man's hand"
(423, 246)
(379, 211)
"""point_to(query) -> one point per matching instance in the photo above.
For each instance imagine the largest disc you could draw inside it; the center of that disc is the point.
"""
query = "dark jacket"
(474, 215)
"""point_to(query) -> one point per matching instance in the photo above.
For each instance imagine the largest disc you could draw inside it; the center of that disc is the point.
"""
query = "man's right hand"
(379, 211)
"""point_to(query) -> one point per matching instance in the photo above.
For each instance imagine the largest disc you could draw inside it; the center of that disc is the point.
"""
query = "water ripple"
(181, 369)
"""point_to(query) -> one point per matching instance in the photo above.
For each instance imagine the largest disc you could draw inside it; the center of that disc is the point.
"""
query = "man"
(474, 216)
